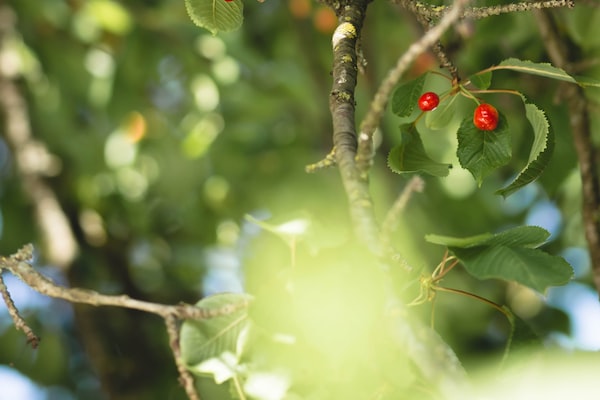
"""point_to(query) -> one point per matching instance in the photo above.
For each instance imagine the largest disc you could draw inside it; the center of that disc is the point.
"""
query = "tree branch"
(580, 122)
(59, 241)
(415, 185)
(432, 12)
(341, 105)
(18, 320)
(185, 377)
(19, 266)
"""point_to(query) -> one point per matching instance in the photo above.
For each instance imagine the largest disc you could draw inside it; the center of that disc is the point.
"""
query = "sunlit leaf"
(410, 155)
(527, 236)
(221, 368)
(511, 255)
(213, 337)
(541, 150)
(406, 96)
(483, 151)
(543, 69)
(216, 15)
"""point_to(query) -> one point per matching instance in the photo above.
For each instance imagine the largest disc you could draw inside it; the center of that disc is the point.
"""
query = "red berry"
(428, 101)
(485, 117)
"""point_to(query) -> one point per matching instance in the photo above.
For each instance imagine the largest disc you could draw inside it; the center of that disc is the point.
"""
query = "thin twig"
(380, 100)
(438, 49)
(18, 320)
(415, 185)
(185, 377)
(434, 12)
(328, 161)
(19, 266)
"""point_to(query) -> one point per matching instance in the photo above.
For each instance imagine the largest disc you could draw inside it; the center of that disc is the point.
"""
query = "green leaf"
(406, 96)
(216, 15)
(529, 267)
(483, 151)
(410, 156)
(527, 236)
(215, 337)
(541, 150)
(482, 80)
(545, 70)
(511, 255)
(442, 115)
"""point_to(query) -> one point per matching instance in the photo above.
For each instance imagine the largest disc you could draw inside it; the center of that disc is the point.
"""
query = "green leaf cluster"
(480, 152)
(511, 255)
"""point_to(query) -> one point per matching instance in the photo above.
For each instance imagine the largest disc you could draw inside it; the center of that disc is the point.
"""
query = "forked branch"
(19, 264)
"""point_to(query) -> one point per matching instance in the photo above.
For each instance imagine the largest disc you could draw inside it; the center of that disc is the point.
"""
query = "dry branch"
(19, 264)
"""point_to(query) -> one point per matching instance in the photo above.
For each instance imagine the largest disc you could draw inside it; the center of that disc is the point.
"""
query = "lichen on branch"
(351, 15)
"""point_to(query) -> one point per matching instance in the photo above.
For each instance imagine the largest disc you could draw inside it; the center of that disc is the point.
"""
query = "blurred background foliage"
(161, 137)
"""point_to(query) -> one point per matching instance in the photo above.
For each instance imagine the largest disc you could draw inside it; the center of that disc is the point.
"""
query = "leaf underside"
(540, 154)
(216, 15)
(410, 156)
(207, 338)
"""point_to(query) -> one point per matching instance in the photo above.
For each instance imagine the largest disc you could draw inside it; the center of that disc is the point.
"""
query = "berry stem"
(507, 91)
(468, 94)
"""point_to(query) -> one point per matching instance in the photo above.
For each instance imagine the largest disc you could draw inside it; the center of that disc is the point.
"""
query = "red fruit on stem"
(428, 101)
(485, 117)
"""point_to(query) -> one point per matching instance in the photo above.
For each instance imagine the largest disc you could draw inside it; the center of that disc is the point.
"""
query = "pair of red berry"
(485, 116)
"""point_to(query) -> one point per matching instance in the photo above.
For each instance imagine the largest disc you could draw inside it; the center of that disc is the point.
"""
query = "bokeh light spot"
(99, 63)
(119, 150)
(202, 134)
(17, 386)
(459, 183)
(581, 303)
(216, 189)
(226, 70)
(110, 15)
(131, 183)
(211, 47)
(228, 233)
(546, 215)
(206, 93)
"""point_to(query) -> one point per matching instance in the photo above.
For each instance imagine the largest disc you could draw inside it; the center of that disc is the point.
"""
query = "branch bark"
(341, 105)
(434, 12)
(19, 266)
(587, 153)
